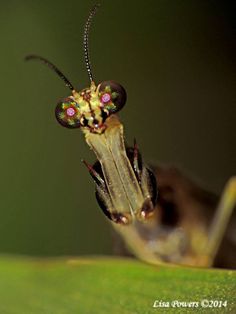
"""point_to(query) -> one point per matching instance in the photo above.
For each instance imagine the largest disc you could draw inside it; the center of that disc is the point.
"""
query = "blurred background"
(176, 60)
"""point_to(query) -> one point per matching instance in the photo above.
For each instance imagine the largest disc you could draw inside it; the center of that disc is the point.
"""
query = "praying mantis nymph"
(126, 188)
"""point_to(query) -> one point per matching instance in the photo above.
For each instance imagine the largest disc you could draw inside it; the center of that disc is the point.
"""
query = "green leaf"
(106, 285)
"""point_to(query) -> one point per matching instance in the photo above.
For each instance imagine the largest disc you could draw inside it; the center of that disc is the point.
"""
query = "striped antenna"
(86, 40)
(51, 66)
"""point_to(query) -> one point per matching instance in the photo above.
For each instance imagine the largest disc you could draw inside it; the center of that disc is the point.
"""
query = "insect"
(126, 188)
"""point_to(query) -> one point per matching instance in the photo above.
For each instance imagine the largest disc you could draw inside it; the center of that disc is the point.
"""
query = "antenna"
(51, 66)
(86, 40)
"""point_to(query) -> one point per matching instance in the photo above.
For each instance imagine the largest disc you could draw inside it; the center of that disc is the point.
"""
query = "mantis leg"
(220, 220)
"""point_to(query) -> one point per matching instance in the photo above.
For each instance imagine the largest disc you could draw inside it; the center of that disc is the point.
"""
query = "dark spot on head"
(104, 115)
(86, 96)
(95, 122)
(84, 121)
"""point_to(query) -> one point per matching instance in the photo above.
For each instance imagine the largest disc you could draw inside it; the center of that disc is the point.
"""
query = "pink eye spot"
(106, 98)
(70, 111)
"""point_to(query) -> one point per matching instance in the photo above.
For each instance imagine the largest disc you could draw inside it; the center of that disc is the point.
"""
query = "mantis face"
(89, 108)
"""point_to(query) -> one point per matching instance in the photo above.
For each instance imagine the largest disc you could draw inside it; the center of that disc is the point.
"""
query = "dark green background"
(176, 60)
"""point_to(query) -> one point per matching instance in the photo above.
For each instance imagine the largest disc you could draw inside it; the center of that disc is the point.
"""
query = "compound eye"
(67, 113)
(112, 95)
